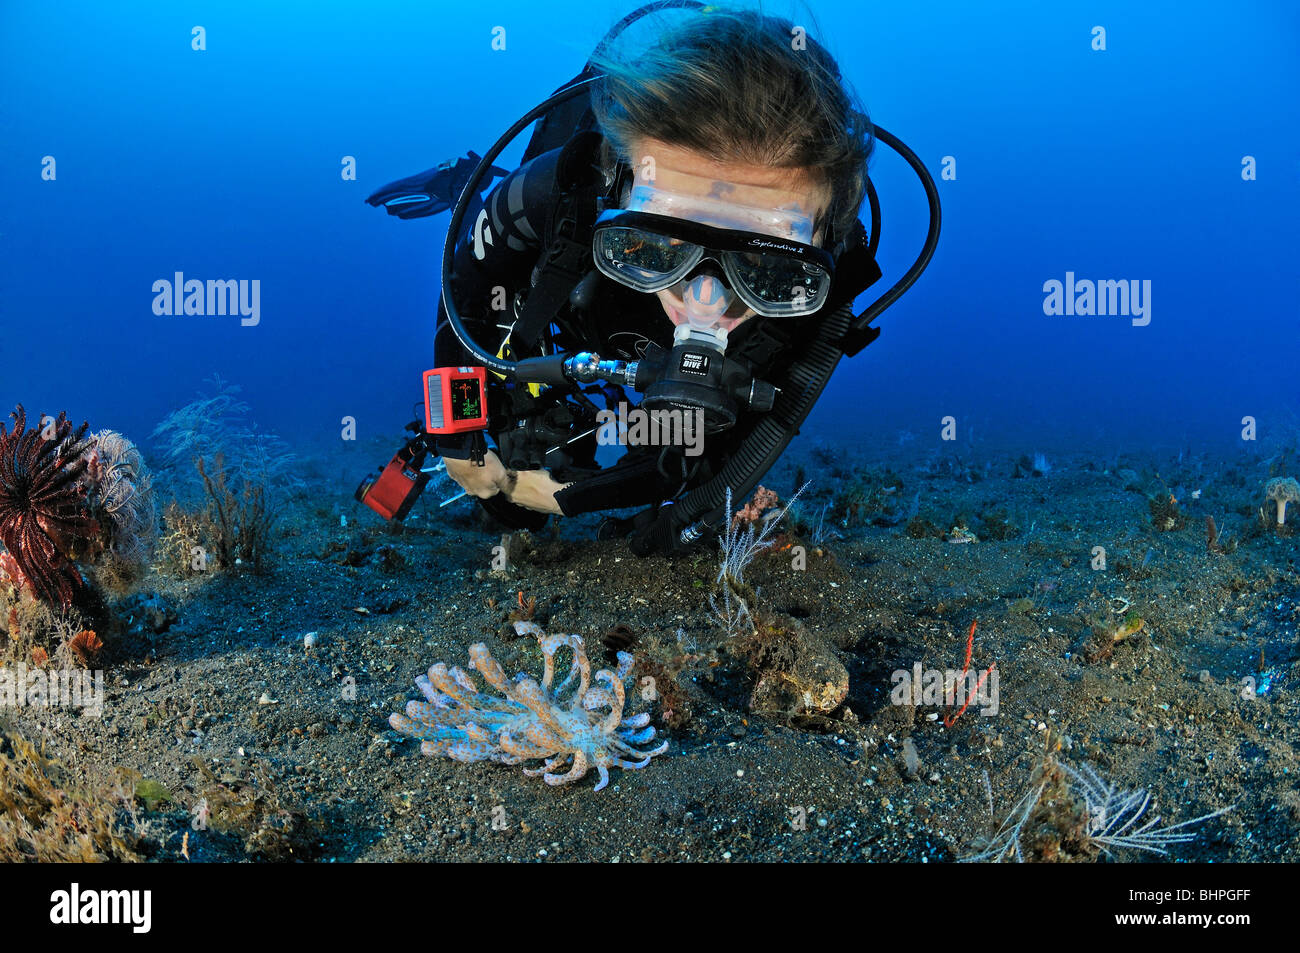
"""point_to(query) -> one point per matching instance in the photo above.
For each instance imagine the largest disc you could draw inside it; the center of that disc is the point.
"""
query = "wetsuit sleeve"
(497, 249)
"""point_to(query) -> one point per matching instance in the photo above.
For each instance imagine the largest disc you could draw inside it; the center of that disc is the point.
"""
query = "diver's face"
(685, 172)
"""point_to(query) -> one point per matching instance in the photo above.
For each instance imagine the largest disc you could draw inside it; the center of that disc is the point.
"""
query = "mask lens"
(783, 286)
(643, 259)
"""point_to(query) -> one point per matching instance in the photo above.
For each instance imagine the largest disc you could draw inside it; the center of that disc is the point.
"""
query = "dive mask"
(648, 250)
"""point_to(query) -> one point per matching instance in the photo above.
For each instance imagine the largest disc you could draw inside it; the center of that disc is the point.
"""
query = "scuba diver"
(681, 238)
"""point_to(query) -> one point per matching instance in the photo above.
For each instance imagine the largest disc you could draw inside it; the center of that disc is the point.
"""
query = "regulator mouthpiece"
(705, 299)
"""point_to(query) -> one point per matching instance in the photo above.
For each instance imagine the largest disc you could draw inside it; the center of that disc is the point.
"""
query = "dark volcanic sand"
(1164, 711)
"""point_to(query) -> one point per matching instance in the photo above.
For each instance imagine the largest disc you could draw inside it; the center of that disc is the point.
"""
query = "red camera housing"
(398, 486)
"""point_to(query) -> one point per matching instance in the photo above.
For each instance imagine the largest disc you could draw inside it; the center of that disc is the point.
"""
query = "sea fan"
(217, 425)
(44, 514)
(204, 427)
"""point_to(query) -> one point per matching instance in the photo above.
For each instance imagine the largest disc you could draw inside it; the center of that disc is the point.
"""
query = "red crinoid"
(43, 508)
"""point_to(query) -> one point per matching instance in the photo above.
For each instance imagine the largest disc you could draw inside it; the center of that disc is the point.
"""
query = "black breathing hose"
(760, 450)
(807, 378)
(491, 361)
(931, 236)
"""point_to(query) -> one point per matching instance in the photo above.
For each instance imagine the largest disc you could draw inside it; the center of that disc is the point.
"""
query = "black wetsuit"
(495, 262)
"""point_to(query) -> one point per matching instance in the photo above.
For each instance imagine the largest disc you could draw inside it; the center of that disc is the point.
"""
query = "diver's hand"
(531, 489)
(488, 480)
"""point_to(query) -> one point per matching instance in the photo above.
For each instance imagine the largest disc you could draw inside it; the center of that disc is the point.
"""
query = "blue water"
(225, 163)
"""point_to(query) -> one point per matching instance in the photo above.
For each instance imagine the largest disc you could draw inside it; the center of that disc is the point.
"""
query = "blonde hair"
(737, 85)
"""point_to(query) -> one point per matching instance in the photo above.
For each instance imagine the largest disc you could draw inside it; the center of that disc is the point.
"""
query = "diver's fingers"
(482, 482)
